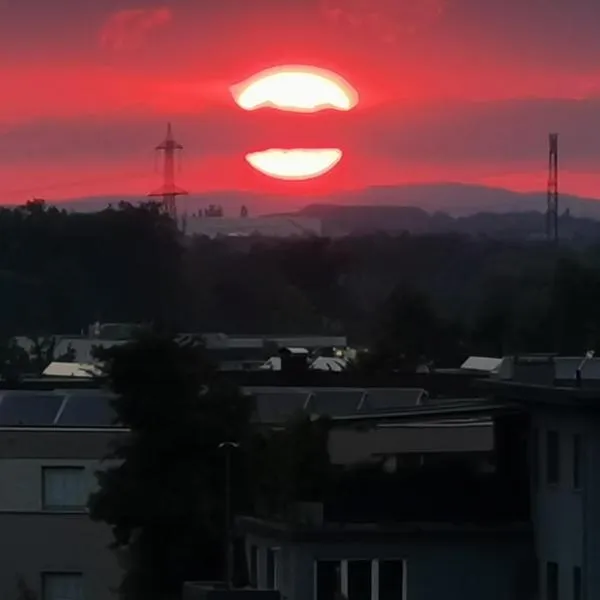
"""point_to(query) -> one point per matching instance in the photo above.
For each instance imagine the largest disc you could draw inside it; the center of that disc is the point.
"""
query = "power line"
(72, 183)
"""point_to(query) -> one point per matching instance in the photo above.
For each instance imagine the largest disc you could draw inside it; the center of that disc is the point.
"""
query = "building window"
(273, 567)
(63, 488)
(360, 579)
(551, 581)
(391, 580)
(62, 586)
(328, 579)
(535, 457)
(577, 461)
(576, 583)
(253, 575)
(552, 458)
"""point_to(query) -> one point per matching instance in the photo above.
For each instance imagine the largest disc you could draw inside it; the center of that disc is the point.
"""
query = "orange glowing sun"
(298, 89)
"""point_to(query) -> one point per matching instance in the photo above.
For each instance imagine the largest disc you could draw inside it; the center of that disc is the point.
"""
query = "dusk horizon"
(449, 91)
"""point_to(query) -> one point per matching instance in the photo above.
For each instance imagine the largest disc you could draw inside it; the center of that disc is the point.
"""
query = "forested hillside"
(61, 271)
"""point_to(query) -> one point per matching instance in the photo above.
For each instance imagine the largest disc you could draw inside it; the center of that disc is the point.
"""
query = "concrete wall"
(567, 519)
(452, 566)
(21, 488)
(54, 443)
(34, 541)
(352, 445)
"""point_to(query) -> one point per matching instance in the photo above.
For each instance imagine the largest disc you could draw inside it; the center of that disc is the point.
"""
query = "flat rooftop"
(341, 532)
(59, 406)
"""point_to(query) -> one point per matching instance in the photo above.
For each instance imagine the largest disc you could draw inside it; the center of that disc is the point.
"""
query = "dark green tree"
(291, 465)
(42, 352)
(14, 360)
(575, 320)
(411, 332)
(164, 496)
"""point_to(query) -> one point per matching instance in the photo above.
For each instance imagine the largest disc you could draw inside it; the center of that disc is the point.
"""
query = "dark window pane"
(576, 583)
(270, 569)
(552, 457)
(328, 579)
(391, 579)
(576, 461)
(551, 581)
(253, 566)
(359, 580)
(535, 457)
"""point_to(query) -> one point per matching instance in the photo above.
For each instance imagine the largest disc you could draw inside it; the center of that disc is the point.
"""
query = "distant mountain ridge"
(454, 199)
(458, 199)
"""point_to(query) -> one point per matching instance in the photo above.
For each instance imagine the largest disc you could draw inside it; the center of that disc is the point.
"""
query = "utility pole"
(169, 191)
(228, 447)
(552, 204)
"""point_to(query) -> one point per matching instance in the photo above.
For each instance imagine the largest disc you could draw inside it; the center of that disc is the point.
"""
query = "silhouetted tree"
(14, 361)
(291, 465)
(60, 271)
(164, 498)
(412, 333)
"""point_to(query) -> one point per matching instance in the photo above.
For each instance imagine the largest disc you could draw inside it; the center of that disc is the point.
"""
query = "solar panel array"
(30, 409)
(277, 405)
(335, 403)
(92, 408)
(390, 399)
(56, 409)
(87, 409)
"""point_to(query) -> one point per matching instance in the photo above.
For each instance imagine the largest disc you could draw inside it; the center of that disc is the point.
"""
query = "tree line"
(438, 295)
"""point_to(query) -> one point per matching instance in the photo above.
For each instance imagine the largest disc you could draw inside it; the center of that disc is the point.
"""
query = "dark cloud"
(500, 133)
(488, 132)
(129, 28)
(534, 66)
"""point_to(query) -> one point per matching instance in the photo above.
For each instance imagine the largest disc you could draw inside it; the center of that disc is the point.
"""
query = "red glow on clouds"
(129, 28)
(441, 97)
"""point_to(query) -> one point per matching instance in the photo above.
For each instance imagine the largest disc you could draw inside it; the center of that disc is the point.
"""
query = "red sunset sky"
(451, 90)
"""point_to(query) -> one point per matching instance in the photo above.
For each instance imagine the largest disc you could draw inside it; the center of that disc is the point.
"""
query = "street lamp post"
(228, 447)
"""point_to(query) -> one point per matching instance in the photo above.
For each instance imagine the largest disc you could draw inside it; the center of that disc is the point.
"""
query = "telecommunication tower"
(552, 206)
(169, 191)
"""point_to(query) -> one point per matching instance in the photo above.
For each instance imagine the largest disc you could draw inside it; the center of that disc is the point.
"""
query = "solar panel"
(87, 410)
(29, 408)
(338, 403)
(279, 407)
(387, 400)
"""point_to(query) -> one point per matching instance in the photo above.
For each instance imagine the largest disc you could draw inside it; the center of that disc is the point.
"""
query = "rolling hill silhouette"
(454, 199)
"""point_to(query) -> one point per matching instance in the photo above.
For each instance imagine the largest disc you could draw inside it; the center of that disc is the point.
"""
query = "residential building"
(53, 439)
(385, 423)
(564, 439)
(51, 445)
(454, 523)
(229, 352)
(423, 530)
(401, 561)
